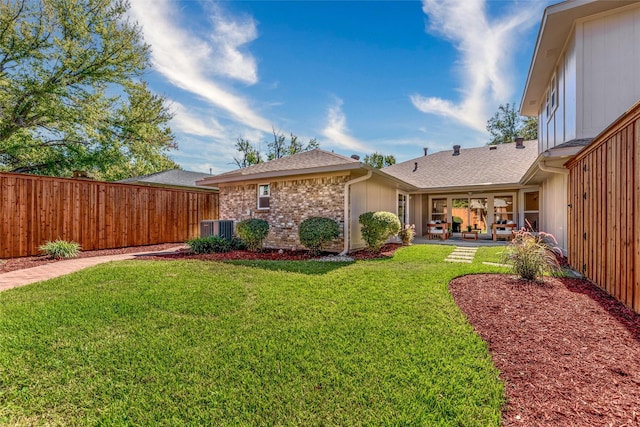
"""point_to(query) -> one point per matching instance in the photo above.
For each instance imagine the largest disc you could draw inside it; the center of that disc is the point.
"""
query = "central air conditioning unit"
(221, 228)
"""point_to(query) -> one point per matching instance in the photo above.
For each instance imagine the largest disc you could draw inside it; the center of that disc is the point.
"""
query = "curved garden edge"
(567, 351)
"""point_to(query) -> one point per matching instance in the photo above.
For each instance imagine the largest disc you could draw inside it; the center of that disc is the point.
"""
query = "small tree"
(253, 232)
(379, 161)
(314, 232)
(378, 227)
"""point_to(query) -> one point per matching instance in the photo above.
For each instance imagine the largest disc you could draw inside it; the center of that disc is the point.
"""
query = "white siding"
(610, 60)
(553, 209)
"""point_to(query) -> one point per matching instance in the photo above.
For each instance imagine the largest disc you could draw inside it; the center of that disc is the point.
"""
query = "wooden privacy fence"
(98, 215)
(604, 210)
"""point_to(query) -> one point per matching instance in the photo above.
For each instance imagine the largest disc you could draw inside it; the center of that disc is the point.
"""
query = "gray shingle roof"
(170, 177)
(505, 164)
(305, 162)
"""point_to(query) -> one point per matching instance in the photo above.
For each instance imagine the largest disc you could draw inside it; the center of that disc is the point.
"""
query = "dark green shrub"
(60, 249)
(209, 245)
(316, 231)
(378, 227)
(237, 244)
(532, 255)
(253, 232)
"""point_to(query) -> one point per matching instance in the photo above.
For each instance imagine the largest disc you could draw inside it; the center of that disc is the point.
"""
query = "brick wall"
(292, 201)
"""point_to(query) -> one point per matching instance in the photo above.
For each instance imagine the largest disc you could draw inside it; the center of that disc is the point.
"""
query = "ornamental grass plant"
(532, 255)
(59, 248)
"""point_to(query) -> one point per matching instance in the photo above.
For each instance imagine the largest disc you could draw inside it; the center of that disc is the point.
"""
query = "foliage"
(316, 231)
(532, 255)
(237, 244)
(378, 227)
(280, 148)
(60, 249)
(71, 96)
(209, 244)
(249, 154)
(253, 232)
(407, 234)
(320, 334)
(379, 161)
(506, 125)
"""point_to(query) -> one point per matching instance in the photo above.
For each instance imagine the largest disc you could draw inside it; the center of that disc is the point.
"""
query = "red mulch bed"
(13, 264)
(273, 255)
(568, 353)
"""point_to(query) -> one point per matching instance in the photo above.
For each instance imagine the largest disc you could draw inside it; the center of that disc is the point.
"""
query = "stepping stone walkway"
(462, 254)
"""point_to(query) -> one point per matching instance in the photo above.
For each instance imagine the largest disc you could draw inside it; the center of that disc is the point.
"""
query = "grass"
(250, 343)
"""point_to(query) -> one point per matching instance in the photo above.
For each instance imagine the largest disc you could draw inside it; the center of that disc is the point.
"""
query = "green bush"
(253, 232)
(209, 245)
(316, 231)
(237, 244)
(60, 249)
(378, 227)
(532, 255)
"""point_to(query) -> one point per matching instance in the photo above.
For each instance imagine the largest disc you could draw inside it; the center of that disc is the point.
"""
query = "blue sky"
(359, 76)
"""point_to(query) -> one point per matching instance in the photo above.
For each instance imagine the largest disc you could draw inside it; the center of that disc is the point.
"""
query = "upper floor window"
(552, 97)
(264, 194)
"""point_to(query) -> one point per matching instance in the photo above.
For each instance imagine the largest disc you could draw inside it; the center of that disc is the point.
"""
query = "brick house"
(288, 190)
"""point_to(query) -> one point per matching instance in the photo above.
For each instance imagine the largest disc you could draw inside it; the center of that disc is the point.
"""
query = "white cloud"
(336, 130)
(191, 63)
(192, 123)
(486, 49)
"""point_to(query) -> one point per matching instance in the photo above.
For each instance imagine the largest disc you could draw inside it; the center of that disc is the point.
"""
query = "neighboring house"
(583, 76)
(476, 185)
(288, 190)
(172, 178)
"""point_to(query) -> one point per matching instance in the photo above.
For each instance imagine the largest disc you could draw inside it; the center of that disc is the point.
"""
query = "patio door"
(403, 214)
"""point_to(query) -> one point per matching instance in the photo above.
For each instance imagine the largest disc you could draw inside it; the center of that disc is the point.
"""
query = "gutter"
(551, 169)
(347, 219)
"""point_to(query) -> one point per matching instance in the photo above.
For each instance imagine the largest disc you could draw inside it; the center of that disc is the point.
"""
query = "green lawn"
(251, 343)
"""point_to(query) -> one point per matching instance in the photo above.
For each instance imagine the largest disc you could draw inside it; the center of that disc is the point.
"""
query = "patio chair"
(438, 230)
(503, 230)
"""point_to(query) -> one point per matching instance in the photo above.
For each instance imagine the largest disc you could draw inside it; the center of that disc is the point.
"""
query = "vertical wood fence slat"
(605, 207)
(98, 215)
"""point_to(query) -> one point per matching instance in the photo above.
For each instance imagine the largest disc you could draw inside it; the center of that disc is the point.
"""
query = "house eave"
(556, 25)
(488, 187)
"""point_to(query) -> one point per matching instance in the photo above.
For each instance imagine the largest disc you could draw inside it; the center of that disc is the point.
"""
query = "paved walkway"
(13, 279)
(460, 254)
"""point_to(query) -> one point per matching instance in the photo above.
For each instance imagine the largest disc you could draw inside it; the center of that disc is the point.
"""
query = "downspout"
(347, 218)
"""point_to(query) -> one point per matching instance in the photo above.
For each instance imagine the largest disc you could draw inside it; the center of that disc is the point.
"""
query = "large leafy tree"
(71, 93)
(379, 161)
(506, 125)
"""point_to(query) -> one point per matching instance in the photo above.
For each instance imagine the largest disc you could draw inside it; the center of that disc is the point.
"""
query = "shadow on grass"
(302, 267)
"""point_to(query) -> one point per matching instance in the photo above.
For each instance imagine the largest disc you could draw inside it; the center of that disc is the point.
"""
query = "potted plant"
(407, 233)
(469, 228)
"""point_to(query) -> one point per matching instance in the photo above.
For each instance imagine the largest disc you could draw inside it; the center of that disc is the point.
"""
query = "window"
(531, 210)
(503, 208)
(264, 194)
(402, 209)
(552, 97)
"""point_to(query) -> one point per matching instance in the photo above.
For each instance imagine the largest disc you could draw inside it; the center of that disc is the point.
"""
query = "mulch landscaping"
(568, 353)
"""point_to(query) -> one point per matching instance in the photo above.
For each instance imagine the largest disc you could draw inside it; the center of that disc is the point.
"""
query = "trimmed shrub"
(209, 245)
(532, 255)
(237, 244)
(378, 227)
(253, 232)
(60, 249)
(317, 231)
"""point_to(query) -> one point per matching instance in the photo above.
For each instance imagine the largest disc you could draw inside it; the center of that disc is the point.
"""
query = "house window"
(503, 208)
(439, 210)
(264, 194)
(552, 97)
(402, 209)
(531, 210)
